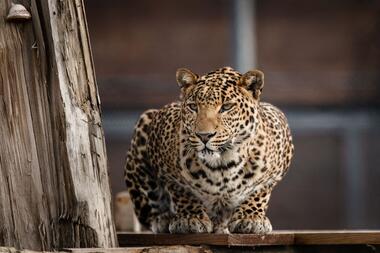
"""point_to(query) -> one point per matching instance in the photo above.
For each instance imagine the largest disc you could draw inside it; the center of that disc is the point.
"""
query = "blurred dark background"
(322, 65)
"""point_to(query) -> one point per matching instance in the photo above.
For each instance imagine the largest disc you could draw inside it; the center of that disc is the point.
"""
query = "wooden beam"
(337, 237)
(126, 239)
(153, 249)
(274, 238)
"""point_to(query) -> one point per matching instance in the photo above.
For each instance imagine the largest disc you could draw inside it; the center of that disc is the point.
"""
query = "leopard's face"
(218, 114)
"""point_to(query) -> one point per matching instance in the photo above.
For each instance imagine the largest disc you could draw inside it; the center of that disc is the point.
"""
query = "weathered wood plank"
(260, 240)
(336, 237)
(156, 249)
(54, 188)
(145, 239)
(126, 239)
(14, 250)
(275, 238)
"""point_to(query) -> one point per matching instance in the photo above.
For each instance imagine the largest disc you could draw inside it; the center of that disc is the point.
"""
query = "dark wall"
(324, 53)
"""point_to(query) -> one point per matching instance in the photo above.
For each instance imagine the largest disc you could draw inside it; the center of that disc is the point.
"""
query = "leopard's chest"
(222, 186)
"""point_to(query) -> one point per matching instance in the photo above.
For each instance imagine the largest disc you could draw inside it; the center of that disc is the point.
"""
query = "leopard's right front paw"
(160, 224)
(190, 224)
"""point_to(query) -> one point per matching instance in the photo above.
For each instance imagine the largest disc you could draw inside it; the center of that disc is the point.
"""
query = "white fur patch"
(213, 158)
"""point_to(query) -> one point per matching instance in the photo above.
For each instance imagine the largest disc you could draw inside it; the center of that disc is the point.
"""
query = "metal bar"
(354, 176)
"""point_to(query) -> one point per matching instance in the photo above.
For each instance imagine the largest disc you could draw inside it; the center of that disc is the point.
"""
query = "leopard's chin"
(208, 155)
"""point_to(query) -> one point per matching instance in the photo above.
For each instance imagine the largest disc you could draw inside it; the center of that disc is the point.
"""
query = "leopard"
(208, 163)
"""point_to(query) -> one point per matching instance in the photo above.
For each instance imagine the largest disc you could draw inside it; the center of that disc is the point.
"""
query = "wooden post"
(54, 186)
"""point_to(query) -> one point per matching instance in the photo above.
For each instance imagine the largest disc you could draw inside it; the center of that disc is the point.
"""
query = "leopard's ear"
(253, 81)
(186, 78)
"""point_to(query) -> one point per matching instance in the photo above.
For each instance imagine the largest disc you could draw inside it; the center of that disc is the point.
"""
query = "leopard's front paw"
(250, 225)
(190, 224)
(160, 224)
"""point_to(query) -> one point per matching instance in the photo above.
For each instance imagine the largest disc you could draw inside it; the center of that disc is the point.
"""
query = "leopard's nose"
(205, 136)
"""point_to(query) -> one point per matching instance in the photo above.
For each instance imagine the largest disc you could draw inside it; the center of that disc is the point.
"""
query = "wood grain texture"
(336, 237)
(14, 250)
(154, 249)
(54, 188)
(126, 239)
(279, 241)
(280, 238)
(157, 249)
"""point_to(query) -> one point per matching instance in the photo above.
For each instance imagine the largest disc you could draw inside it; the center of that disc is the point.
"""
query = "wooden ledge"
(337, 237)
(315, 237)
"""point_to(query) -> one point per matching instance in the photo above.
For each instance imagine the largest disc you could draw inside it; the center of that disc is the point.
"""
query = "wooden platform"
(278, 241)
(283, 238)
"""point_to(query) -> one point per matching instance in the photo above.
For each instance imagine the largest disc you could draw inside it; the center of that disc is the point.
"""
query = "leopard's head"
(219, 110)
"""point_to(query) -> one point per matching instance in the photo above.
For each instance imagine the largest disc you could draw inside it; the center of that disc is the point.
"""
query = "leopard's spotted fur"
(209, 162)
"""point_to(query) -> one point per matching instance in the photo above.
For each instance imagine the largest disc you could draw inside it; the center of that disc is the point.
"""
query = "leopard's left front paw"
(183, 224)
(250, 225)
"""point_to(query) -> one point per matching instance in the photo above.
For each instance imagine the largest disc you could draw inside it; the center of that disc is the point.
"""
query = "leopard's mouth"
(207, 151)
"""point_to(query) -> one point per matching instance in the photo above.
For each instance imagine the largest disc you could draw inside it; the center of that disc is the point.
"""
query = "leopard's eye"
(227, 107)
(193, 107)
